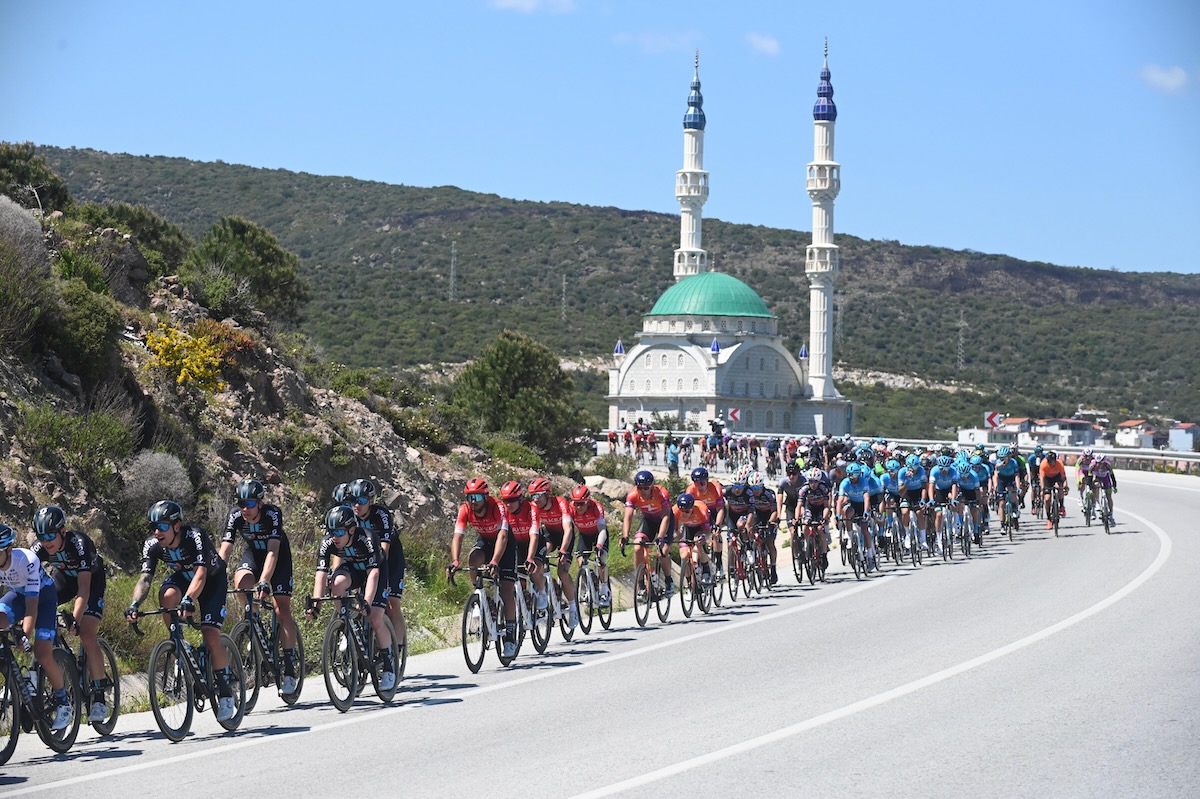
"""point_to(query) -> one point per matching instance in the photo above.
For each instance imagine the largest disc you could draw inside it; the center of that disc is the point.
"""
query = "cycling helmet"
(643, 478)
(1051, 455)
(341, 492)
(854, 471)
(945, 461)
(1004, 452)
(699, 473)
(49, 519)
(852, 456)
(841, 463)
(743, 474)
(926, 461)
(1103, 459)
(791, 468)
(892, 465)
(476, 485)
(340, 517)
(165, 511)
(251, 489)
(581, 494)
(1087, 452)
(362, 488)
(685, 501)
(1037, 450)
(912, 461)
(511, 490)
(755, 480)
(947, 451)
(976, 460)
(7, 536)
(539, 485)
(815, 475)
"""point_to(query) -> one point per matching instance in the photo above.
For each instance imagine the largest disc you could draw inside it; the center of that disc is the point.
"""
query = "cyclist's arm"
(372, 583)
(196, 586)
(501, 544)
(568, 537)
(225, 550)
(140, 590)
(84, 592)
(29, 623)
(664, 525)
(320, 584)
(602, 534)
(626, 522)
(456, 545)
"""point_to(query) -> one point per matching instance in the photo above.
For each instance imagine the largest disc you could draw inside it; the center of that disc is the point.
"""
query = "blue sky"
(1066, 132)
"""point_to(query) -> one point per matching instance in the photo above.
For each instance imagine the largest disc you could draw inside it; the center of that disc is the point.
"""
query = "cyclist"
(968, 492)
(360, 564)
(1006, 475)
(658, 522)
(943, 488)
(837, 474)
(914, 483)
(558, 533)
(1101, 475)
(1033, 465)
(360, 495)
(787, 494)
(591, 527)
(1053, 477)
(889, 481)
(524, 521)
(712, 494)
(854, 495)
(268, 558)
(766, 513)
(813, 502)
(31, 597)
(494, 547)
(1082, 468)
(979, 465)
(77, 569)
(197, 583)
(691, 519)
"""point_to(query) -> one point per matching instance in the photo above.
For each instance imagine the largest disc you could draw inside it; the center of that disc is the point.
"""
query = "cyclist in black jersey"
(198, 582)
(78, 573)
(348, 558)
(267, 559)
(360, 495)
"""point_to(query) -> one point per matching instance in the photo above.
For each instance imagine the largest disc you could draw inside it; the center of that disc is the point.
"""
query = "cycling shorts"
(211, 605)
(358, 581)
(649, 527)
(968, 494)
(68, 589)
(690, 535)
(45, 626)
(281, 579)
(507, 559)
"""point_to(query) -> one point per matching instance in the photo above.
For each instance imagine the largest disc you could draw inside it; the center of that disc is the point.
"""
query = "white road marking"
(874, 701)
(375, 715)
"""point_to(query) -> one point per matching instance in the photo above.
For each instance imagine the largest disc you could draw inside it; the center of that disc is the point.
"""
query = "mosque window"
(754, 327)
(724, 325)
(749, 419)
(695, 384)
(647, 385)
(740, 325)
(688, 326)
(762, 389)
(787, 420)
(649, 362)
(746, 389)
(776, 364)
(664, 386)
(770, 421)
(680, 361)
(664, 361)
(762, 364)
(707, 325)
(679, 385)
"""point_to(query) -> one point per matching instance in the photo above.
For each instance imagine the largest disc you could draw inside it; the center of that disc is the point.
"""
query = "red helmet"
(511, 490)
(476, 485)
(580, 494)
(538, 485)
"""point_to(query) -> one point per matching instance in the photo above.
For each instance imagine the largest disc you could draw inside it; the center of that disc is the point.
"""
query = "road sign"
(992, 419)
(735, 415)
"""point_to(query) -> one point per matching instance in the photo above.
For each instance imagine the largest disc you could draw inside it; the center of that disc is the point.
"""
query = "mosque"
(710, 347)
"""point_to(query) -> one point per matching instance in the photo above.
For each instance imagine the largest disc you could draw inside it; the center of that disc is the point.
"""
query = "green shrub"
(513, 452)
(74, 265)
(416, 426)
(89, 444)
(24, 276)
(85, 334)
(614, 466)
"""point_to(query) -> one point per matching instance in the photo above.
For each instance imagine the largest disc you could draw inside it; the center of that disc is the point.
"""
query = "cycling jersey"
(763, 503)
(379, 521)
(712, 494)
(25, 574)
(191, 551)
(524, 521)
(1053, 470)
(890, 483)
(489, 524)
(76, 555)
(790, 491)
(943, 477)
(258, 536)
(655, 504)
(361, 553)
(913, 479)
(552, 518)
(874, 487)
(24, 578)
(1008, 469)
(968, 480)
(857, 492)
(694, 517)
(588, 518)
(812, 499)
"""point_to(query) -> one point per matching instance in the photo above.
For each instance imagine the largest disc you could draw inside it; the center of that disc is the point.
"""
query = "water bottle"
(27, 685)
(654, 580)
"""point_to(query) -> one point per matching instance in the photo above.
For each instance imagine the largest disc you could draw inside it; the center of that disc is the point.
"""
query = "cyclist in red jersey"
(490, 519)
(591, 527)
(525, 522)
(691, 518)
(712, 494)
(557, 533)
(658, 522)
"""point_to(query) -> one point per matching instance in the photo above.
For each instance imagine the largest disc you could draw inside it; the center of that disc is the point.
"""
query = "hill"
(378, 259)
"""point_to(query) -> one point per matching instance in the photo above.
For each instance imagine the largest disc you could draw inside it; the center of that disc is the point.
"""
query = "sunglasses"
(49, 536)
(539, 495)
(162, 527)
(247, 503)
(475, 497)
(362, 500)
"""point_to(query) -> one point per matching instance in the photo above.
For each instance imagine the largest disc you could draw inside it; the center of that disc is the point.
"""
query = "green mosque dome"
(710, 294)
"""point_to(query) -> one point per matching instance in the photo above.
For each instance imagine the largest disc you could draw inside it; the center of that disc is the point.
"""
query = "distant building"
(1135, 433)
(1061, 433)
(710, 347)
(1184, 437)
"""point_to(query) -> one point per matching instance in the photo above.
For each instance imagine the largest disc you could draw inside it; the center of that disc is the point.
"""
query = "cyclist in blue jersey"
(968, 492)
(890, 482)
(983, 472)
(913, 481)
(1008, 474)
(943, 487)
(854, 495)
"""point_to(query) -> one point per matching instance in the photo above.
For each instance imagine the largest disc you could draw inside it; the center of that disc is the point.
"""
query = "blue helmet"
(1004, 452)
(892, 465)
(912, 461)
(699, 473)
(685, 501)
(643, 478)
(7, 535)
(976, 460)
(945, 461)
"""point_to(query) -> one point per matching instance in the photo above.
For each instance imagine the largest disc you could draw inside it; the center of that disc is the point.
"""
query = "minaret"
(691, 186)
(821, 257)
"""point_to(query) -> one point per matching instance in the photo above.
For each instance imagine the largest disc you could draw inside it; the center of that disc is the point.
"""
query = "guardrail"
(1146, 460)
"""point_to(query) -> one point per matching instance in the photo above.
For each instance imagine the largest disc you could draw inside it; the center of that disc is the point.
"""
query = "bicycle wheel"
(966, 536)
(797, 549)
(564, 616)
(60, 740)
(112, 689)
(378, 658)
(543, 625)
(687, 589)
(1106, 514)
(843, 544)
(518, 637)
(171, 691)
(583, 600)
(474, 633)
(10, 710)
(237, 684)
(663, 602)
(718, 587)
(1012, 521)
(855, 558)
(642, 595)
(252, 658)
(731, 573)
(1055, 514)
(293, 697)
(606, 612)
(339, 662)
(703, 590)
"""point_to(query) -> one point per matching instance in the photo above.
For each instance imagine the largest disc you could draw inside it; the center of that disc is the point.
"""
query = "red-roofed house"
(1184, 437)
(1135, 433)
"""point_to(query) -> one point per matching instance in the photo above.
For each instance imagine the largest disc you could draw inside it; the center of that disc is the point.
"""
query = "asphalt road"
(1045, 667)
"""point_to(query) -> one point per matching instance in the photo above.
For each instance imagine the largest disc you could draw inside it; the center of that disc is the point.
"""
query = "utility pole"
(453, 269)
(563, 314)
(837, 324)
(962, 330)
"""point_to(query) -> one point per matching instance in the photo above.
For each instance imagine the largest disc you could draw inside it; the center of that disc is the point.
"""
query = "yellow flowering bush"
(193, 360)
